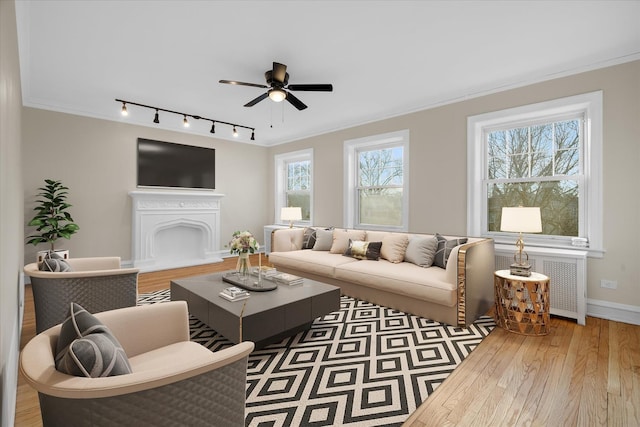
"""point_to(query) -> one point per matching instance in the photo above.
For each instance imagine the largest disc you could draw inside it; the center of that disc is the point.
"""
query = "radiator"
(567, 272)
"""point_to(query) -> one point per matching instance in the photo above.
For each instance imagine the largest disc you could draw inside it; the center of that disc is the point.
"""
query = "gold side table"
(522, 303)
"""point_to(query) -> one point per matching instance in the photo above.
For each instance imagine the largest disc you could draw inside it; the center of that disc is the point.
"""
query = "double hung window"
(294, 183)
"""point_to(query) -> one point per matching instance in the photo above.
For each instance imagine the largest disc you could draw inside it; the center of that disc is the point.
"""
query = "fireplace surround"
(172, 229)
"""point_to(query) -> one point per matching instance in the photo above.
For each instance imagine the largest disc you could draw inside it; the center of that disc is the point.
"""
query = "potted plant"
(52, 219)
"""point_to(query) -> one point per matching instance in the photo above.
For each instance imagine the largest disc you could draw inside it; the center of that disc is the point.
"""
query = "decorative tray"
(250, 282)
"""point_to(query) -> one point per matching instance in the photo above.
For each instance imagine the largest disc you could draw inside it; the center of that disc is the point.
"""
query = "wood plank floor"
(575, 376)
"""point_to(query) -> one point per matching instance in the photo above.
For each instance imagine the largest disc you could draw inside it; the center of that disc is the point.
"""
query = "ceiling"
(384, 58)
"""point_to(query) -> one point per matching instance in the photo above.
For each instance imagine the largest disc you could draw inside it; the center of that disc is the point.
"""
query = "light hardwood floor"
(575, 376)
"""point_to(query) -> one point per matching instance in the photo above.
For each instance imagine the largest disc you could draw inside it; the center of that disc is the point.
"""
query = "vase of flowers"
(243, 243)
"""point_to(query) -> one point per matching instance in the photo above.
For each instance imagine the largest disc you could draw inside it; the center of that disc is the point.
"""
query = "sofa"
(447, 279)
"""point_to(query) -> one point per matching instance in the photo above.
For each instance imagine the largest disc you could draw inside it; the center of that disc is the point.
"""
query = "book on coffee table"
(288, 279)
(234, 293)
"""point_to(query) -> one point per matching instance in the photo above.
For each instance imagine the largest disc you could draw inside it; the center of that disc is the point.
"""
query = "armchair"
(174, 381)
(97, 284)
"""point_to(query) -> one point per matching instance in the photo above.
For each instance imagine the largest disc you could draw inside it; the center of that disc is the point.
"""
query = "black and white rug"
(364, 365)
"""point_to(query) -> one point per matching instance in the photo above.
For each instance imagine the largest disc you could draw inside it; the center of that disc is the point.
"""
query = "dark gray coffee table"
(264, 317)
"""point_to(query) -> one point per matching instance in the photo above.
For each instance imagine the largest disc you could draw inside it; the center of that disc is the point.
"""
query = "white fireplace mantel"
(172, 229)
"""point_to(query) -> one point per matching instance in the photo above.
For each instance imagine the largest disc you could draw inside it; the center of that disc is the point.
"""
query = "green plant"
(52, 219)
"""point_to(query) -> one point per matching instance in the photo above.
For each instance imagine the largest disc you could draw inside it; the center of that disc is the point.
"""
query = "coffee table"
(264, 317)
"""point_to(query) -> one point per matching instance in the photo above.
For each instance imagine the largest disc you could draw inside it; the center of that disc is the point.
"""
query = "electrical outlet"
(608, 284)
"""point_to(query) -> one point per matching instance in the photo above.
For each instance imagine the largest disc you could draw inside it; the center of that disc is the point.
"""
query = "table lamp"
(291, 214)
(521, 220)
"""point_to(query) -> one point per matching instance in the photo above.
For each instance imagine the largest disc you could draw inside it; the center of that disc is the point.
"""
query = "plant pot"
(64, 253)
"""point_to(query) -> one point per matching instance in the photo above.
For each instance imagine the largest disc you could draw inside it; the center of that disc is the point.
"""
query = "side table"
(522, 303)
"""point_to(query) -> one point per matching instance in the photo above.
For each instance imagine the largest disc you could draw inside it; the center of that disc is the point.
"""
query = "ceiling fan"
(277, 82)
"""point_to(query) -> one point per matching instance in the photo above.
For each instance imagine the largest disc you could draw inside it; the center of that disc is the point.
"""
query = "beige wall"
(11, 205)
(96, 159)
(438, 164)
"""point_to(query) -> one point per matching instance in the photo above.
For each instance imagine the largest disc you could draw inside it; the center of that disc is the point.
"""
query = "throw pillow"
(324, 240)
(54, 262)
(341, 239)
(363, 250)
(309, 239)
(394, 247)
(96, 355)
(78, 358)
(421, 251)
(444, 248)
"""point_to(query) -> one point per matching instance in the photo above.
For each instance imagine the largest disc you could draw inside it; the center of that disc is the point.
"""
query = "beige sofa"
(457, 294)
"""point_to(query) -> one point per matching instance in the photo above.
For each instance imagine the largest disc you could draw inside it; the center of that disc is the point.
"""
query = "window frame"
(589, 105)
(351, 149)
(280, 163)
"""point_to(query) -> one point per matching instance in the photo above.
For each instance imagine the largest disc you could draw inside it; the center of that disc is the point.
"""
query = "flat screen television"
(165, 164)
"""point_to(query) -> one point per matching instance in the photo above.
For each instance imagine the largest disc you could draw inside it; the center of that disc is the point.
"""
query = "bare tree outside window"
(298, 188)
(380, 186)
(536, 165)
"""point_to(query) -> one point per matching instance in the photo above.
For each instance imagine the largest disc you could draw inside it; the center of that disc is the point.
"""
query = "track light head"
(235, 132)
(156, 118)
(124, 109)
(185, 122)
(253, 135)
(213, 127)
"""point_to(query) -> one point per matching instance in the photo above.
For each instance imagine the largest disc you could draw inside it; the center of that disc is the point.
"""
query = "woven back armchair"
(97, 284)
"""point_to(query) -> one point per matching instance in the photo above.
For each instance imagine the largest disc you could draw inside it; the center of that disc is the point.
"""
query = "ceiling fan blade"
(233, 82)
(295, 101)
(312, 87)
(256, 100)
(279, 72)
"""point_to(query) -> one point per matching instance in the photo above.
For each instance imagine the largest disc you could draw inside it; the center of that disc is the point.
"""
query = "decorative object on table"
(291, 214)
(249, 282)
(288, 279)
(52, 219)
(522, 303)
(243, 243)
(521, 220)
(234, 293)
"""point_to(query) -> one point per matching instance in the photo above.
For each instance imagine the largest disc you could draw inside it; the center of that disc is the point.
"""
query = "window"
(294, 183)
(376, 192)
(546, 155)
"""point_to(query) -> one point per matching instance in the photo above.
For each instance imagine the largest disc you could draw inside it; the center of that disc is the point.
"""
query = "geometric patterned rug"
(364, 365)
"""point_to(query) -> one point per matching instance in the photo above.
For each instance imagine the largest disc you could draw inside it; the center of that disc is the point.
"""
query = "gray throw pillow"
(54, 262)
(86, 347)
(309, 239)
(421, 251)
(444, 249)
(324, 240)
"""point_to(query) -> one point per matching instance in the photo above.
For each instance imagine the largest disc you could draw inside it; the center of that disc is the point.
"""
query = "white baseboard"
(613, 311)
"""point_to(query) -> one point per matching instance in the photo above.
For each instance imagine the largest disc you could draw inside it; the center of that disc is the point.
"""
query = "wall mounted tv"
(165, 164)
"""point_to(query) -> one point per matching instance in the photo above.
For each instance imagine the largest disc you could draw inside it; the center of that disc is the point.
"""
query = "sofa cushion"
(444, 248)
(309, 239)
(359, 249)
(341, 239)
(86, 347)
(421, 250)
(394, 246)
(427, 284)
(321, 263)
(324, 240)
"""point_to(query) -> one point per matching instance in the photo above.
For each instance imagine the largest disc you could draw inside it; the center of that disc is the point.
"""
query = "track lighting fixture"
(185, 121)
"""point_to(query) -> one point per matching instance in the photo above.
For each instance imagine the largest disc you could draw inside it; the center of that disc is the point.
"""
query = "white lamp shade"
(521, 220)
(291, 214)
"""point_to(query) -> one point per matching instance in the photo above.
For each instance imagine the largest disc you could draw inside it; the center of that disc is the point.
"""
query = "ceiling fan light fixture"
(277, 95)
